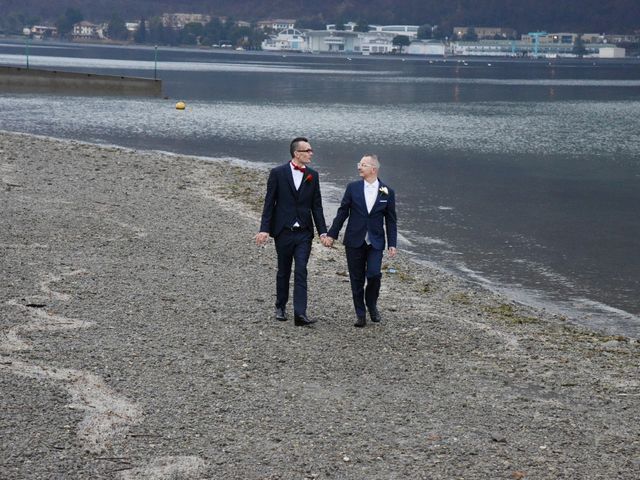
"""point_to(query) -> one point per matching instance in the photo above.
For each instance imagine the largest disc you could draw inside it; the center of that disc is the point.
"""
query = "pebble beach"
(137, 340)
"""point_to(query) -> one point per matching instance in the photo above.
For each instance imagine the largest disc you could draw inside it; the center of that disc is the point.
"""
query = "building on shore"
(85, 30)
(427, 47)
(521, 48)
(566, 38)
(485, 33)
(288, 40)
(40, 31)
(410, 31)
(332, 41)
(180, 20)
(277, 25)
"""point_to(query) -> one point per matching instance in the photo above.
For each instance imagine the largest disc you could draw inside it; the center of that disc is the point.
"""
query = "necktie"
(296, 167)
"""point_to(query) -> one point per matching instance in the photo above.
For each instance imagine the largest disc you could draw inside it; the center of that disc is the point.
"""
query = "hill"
(619, 16)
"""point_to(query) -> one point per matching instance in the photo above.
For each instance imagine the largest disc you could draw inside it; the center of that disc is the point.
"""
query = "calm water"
(524, 176)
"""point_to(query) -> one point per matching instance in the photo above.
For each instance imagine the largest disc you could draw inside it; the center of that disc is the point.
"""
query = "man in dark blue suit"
(370, 206)
(292, 205)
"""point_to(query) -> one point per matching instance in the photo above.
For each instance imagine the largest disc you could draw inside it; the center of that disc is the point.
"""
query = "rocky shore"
(137, 340)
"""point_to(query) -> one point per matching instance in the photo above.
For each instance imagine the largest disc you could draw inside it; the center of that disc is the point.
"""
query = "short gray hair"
(374, 160)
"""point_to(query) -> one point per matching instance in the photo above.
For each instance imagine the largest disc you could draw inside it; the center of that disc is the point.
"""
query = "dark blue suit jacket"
(354, 207)
(284, 205)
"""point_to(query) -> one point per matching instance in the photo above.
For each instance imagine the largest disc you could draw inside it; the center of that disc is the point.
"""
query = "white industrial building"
(290, 40)
(426, 47)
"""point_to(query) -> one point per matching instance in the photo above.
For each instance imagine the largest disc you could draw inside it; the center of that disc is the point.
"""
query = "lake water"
(521, 175)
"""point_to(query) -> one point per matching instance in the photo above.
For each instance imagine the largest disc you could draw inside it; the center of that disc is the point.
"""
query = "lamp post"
(26, 50)
(155, 62)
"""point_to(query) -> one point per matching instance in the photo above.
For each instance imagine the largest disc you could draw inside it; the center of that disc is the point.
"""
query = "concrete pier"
(36, 80)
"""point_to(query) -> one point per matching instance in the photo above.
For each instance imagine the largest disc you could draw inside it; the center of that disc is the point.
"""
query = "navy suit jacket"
(354, 207)
(284, 205)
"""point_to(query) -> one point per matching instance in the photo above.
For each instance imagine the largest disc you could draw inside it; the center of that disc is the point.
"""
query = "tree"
(362, 26)
(470, 35)
(315, 22)
(116, 29)
(141, 33)
(213, 32)
(578, 47)
(191, 33)
(425, 32)
(401, 41)
(66, 22)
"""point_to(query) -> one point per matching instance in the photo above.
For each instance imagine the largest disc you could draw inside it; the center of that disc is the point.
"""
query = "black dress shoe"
(375, 315)
(361, 322)
(302, 320)
(281, 314)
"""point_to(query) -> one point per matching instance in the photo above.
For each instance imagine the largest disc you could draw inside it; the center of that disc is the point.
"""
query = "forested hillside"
(603, 16)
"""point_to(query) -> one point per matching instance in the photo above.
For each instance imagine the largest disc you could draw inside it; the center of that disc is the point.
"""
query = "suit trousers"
(293, 246)
(365, 263)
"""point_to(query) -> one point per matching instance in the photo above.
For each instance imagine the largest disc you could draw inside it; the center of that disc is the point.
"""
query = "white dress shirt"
(371, 193)
(297, 176)
(297, 181)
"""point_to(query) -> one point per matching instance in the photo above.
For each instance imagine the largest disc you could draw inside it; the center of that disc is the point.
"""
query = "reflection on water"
(523, 176)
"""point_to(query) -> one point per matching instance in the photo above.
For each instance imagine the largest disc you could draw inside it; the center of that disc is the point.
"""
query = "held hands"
(327, 241)
(261, 238)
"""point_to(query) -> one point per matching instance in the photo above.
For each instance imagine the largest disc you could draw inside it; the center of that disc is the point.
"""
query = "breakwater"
(29, 79)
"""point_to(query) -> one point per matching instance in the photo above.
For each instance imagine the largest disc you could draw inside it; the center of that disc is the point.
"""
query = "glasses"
(363, 165)
(308, 150)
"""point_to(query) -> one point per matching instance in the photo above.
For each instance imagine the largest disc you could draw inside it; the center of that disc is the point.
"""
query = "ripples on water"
(569, 128)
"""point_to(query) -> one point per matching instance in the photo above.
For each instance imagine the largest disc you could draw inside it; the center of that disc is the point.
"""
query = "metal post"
(26, 49)
(155, 62)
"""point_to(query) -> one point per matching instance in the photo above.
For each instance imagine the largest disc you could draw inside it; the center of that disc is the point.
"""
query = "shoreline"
(572, 310)
(452, 59)
(133, 274)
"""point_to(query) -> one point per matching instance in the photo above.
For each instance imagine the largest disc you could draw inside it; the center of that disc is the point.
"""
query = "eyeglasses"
(363, 165)
(308, 150)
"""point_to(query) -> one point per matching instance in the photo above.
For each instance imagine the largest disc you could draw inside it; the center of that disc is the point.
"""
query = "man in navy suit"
(292, 205)
(370, 206)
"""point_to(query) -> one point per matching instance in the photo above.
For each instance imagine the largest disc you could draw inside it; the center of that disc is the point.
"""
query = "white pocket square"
(384, 201)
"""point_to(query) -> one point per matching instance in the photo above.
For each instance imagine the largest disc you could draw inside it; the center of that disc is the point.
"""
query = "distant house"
(566, 38)
(179, 20)
(486, 32)
(290, 39)
(41, 31)
(375, 43)
(618, 38)
(346, 27)
(410, 31)
(87, 31)
(132, 26)
(277, 24)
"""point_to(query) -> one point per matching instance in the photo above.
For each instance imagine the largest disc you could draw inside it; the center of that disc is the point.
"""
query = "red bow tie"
(296, 167)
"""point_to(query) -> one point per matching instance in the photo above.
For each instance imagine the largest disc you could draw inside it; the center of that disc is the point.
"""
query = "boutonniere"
(384, 190)
(308, 178)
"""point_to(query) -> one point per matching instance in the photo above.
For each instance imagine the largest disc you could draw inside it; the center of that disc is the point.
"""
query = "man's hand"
(392, 252)
(327, 241)
(261, 238)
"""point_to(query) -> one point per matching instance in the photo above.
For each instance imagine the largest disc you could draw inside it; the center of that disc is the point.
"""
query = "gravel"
(137, 340)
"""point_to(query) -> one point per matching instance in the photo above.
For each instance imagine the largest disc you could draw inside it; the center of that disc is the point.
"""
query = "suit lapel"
(289, 175)
(359, 195)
